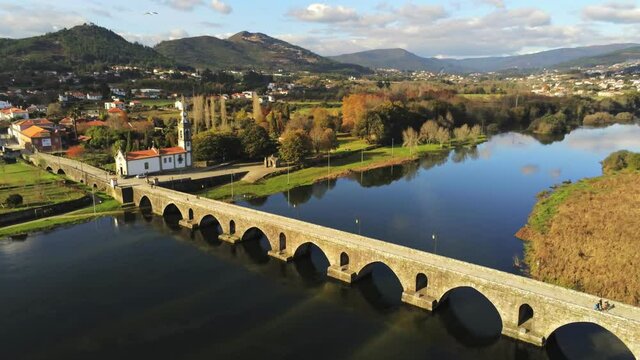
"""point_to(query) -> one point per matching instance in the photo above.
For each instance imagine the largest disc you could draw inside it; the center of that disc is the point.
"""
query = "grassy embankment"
(585, 236)
(37, 187)
(374, 158)
(108, 206)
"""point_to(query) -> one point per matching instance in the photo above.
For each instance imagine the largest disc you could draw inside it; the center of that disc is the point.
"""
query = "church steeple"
(184, 128)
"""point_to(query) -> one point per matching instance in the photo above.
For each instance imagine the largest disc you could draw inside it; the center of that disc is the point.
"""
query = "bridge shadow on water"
(464, 318)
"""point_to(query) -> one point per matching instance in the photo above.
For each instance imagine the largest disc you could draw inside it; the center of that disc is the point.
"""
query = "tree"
(216, 146)
(75, 152)
(258, 116)
(625, 117)
(475, 132)
(410, 139)
(223, 113)
(14, 200)
(443, 136)
(322, 119)
(54, 110)
(323, 139)
(256, 142)
(295, 147)
(428, 132)
(462, 133)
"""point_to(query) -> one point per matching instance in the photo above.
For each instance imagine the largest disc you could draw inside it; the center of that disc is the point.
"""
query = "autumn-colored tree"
(462, 133)
(410, 139)
(443, 136)
(356, 106)
(75, 151)
(258, 116)
(428, 132)
(295, 147)
(223, 113)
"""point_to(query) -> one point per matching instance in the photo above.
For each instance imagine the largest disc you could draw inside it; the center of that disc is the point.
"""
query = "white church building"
(159, 160)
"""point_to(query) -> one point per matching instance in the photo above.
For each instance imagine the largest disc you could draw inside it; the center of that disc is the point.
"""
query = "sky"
(440, 28)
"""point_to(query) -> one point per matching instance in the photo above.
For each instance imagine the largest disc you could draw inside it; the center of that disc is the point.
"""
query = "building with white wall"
(159, 160)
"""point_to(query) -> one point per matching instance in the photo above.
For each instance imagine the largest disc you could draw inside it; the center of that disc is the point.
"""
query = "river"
(137, 286)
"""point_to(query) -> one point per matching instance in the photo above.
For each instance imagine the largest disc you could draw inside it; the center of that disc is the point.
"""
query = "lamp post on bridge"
(359, 229)
(435, 243)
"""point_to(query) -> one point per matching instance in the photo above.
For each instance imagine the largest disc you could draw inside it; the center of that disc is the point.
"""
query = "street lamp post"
(435, 243)
(358, 223)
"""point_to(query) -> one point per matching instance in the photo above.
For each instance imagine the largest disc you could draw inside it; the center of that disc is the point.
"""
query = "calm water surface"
(138, 287)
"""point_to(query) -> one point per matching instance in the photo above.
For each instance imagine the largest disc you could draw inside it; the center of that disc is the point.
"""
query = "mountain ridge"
(388, 58)
(246, 50)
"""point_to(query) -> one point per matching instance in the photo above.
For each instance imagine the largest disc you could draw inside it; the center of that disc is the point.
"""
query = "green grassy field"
(156, 102)
(37, 187)
(160, 114)
(107, 206)
(358, 161)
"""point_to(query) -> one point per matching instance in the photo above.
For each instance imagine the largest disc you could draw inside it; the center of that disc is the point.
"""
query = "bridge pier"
(420, 300)
(280, 255)
(341, 273)
(523, 334)
(229, 238)
(188, 224)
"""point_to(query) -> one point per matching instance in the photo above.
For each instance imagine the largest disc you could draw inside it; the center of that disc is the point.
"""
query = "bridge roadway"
(530, 310)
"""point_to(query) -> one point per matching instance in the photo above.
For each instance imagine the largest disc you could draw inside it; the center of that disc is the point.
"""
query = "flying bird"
(151, 13)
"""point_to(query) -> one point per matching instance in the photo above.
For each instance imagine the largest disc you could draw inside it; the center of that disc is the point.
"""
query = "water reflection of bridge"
(529, 310)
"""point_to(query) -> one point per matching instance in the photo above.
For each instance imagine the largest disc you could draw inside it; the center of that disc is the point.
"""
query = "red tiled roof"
(35, 131)
(116, 110)
(32, 122)
(96, 123)
(144, 154)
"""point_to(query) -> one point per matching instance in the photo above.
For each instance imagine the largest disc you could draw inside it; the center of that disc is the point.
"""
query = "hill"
(82, 47)
(612, 58)
(404, 60)
(246, 50)
(397, 59)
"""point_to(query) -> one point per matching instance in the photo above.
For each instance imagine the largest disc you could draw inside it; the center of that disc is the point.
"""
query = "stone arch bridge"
(530, 310)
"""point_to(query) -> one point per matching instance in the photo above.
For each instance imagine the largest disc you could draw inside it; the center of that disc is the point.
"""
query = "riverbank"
(107, 206)
(356, 162)
(585, 236)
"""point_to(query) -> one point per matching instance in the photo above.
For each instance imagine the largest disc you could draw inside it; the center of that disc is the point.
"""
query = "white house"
(159, 160)
(13, 114)
(94, 96)
(5, 105)
(114, 105)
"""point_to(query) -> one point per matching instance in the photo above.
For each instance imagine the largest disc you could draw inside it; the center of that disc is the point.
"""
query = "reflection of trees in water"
(434, 159)
(547, 139)
(302, 194)
(462, 154)
(258, 201)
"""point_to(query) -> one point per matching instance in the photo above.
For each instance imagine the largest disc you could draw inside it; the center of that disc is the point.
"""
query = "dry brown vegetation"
(590, 240)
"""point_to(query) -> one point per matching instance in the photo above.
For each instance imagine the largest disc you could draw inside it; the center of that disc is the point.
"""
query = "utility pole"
(392, 143)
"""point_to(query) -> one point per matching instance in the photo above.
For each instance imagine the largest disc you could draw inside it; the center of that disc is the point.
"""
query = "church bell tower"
(184, 131)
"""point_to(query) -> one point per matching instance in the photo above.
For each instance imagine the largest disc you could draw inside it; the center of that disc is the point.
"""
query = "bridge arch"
(256, 244)
(311, 261)
(145, 203)
(49, 169)
(380, 284)
(525, 314)
(210, 228)
(282, 242)
(582, 338)
(172, 215)
(61, 172)
(232, 227)
(190, 214)
(344, 259)
(422, 281)
(477, 314)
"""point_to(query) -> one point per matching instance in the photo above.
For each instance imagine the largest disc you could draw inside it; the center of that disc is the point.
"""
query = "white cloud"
(324, 13)
(153, 39)
(421, 13)
(221, 7)
(430, 30)
(20, 22)
(613, 12)
(184, 5)
(497, 3)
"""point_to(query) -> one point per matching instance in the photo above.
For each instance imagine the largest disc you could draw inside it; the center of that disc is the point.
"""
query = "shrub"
(14, 200)
(621, 160)
(599, 118)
